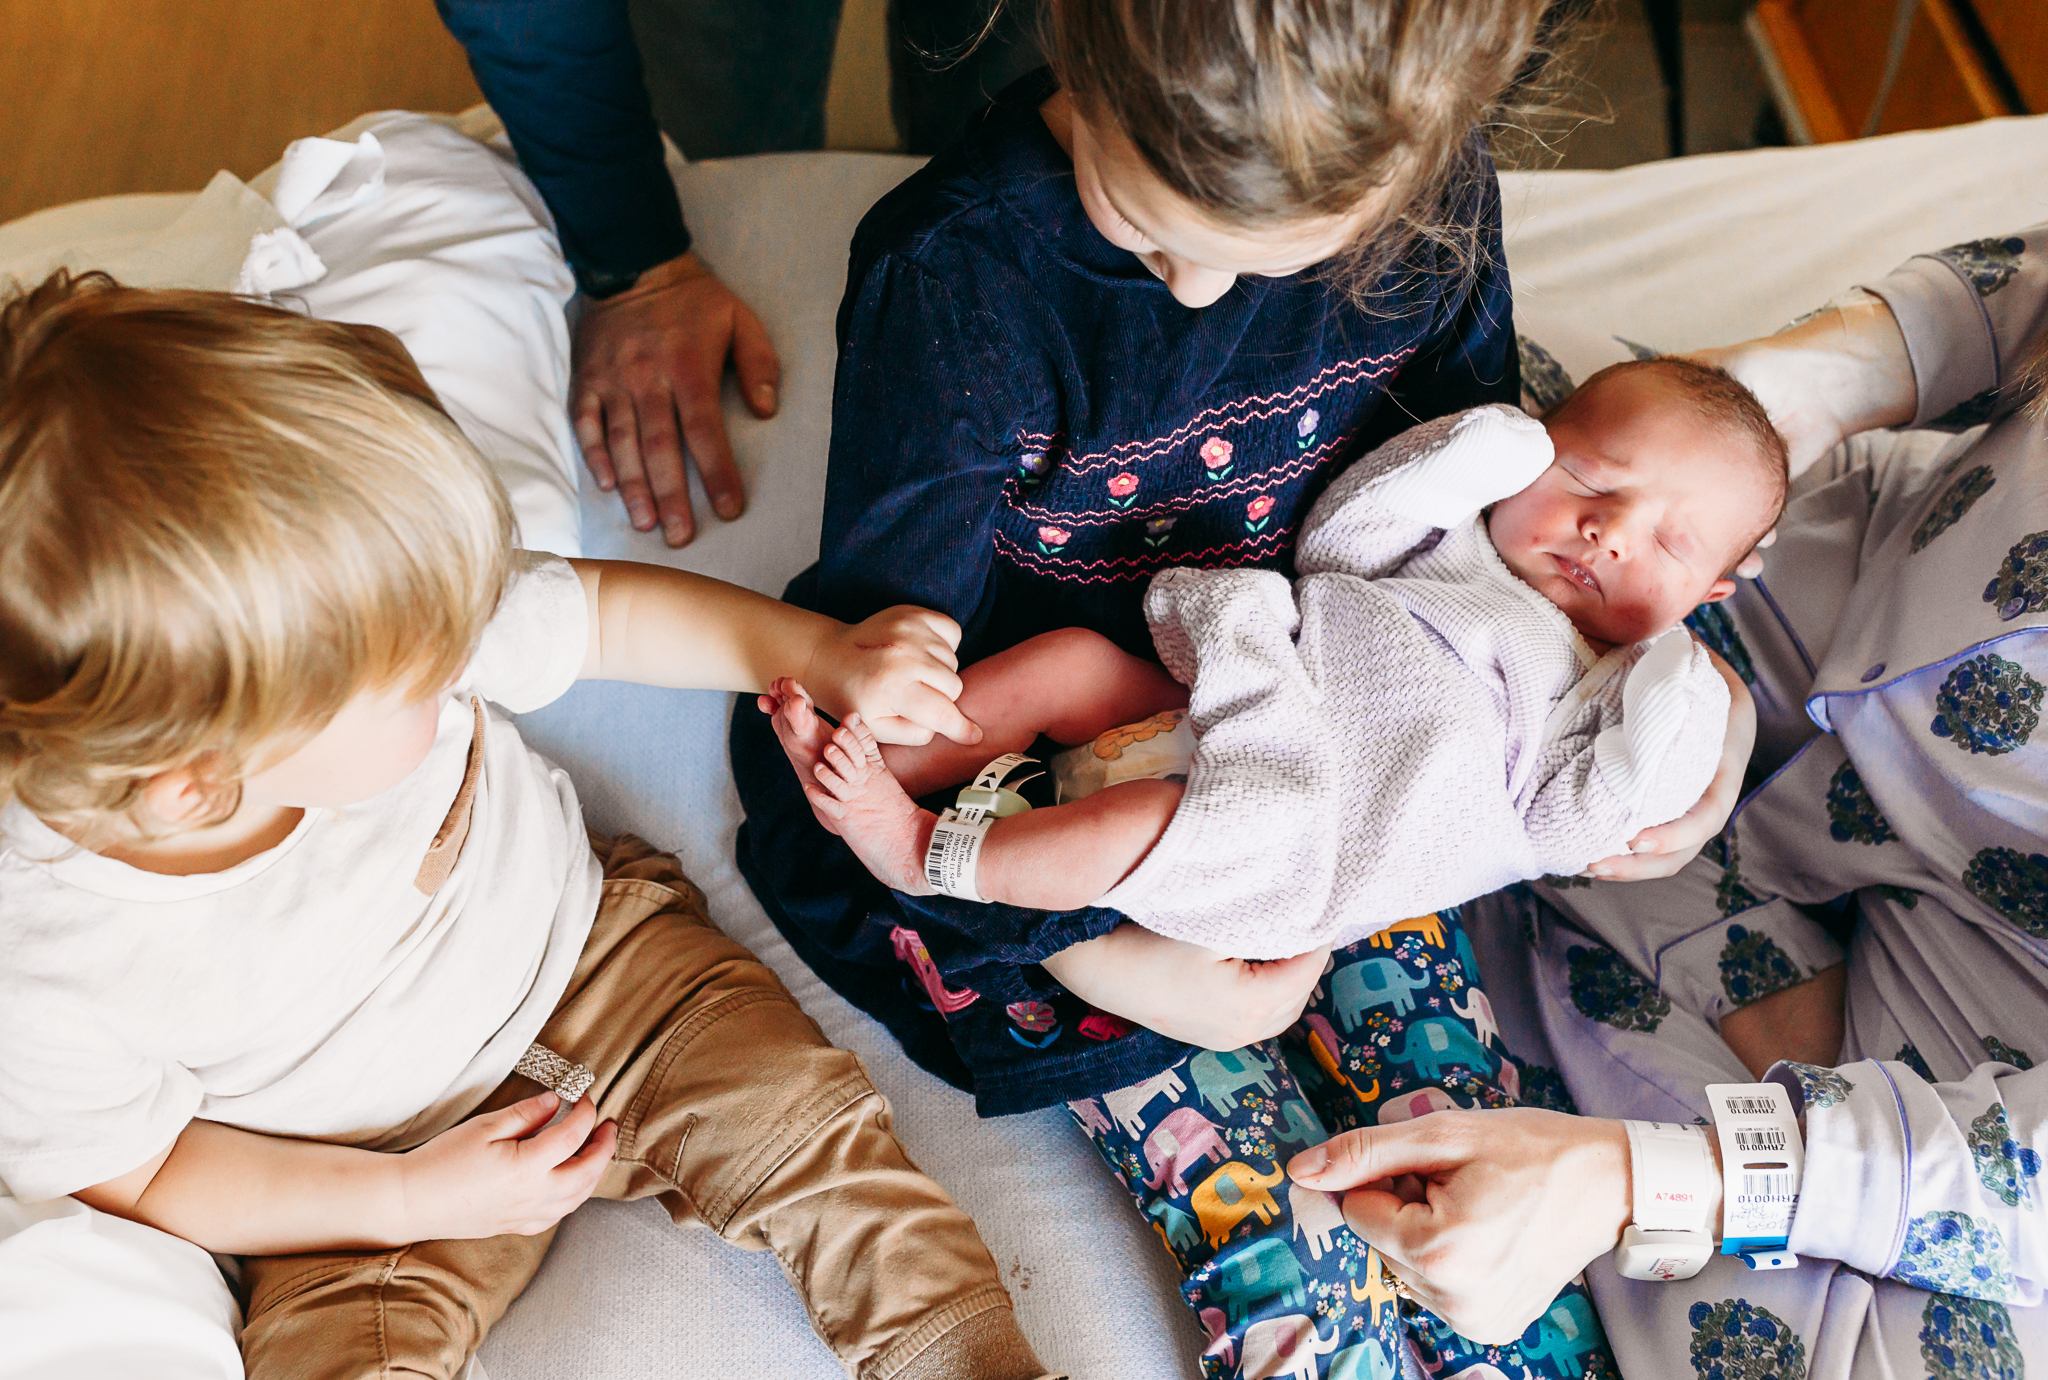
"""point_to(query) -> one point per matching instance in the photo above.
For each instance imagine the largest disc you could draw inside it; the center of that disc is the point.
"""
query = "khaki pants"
(735, 1113)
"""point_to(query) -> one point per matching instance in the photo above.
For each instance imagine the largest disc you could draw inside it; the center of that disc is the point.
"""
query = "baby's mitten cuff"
(1483, 456)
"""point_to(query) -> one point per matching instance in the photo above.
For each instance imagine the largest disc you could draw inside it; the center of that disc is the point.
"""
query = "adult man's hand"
(649, 363)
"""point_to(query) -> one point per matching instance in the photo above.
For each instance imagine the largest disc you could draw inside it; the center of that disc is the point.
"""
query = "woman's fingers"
(1373, 1153)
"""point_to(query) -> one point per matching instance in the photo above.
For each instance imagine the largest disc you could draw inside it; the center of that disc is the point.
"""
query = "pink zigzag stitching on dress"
(1271, 405)
(1144, 567)
(1234, 488)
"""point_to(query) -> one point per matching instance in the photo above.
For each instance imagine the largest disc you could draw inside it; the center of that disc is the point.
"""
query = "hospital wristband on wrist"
(952, 859)
(1762, 1161)
(1672, 1173)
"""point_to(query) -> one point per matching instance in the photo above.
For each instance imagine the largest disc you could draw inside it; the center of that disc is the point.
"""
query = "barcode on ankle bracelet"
(1750, 1106)
(1769, 1138)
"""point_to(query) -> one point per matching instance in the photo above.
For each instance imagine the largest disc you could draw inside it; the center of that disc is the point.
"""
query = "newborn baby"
(1477, 678)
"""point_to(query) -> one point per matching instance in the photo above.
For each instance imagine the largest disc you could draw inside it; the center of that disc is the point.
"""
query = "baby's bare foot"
(865, 805)
(851, 790)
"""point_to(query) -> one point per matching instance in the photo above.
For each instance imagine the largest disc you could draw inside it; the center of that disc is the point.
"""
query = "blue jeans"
(1281, 1286)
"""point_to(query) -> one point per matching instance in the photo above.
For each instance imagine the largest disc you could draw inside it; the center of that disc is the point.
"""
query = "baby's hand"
(899, 672)
(501, 1174)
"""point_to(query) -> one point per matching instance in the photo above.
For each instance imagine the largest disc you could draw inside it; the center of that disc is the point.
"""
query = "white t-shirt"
(324, 988)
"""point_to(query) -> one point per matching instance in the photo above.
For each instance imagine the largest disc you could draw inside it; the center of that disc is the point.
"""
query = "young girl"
(305, 949)
(1137, 317)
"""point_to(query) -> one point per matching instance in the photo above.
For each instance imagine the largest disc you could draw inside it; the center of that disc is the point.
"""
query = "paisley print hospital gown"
(1897, 647)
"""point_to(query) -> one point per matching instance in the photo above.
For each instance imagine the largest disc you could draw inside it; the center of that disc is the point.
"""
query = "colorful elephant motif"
(1220, 1076)
(1564, 1334)
(1301, 1126)
(1439, 1042)
(1263, 1271)
(1323, 1046)
(1126, 1105)
(1478, 1010)
(1230, 1195)
(1367, 1360)
(1222, 1345)
(1430, 927)
(1184, 1141)
(1358, 987)
(1316, 1215)
(1175, 1227)
(1377, 1291)
(1286, 1346)
(1089, 1113)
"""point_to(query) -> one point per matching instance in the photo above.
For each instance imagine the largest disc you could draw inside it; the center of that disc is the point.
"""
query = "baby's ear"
(1719, 590)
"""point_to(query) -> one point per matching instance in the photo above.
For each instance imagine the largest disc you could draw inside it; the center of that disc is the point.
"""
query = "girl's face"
(1197, 257)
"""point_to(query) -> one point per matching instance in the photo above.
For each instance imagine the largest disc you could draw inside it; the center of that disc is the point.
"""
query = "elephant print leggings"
(1397, 1029)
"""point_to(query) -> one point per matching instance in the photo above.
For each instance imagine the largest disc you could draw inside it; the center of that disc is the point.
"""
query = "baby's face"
(1641, 515)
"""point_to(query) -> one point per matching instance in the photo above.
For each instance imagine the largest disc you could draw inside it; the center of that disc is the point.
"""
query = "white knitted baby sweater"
(1408, 725)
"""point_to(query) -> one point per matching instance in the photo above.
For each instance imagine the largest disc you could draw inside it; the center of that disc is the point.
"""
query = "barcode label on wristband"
(1766, 1188)
(1761, 1162)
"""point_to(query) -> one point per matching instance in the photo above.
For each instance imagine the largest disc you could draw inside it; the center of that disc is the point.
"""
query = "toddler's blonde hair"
(219, 522)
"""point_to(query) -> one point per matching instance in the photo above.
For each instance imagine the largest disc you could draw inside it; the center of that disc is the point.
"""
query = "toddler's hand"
(501, 1174)
(899, 672)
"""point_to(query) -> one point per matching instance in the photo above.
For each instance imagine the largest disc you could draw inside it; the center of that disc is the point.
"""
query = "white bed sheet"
(1671, 255)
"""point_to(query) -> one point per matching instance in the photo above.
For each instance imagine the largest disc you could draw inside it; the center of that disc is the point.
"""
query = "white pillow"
(86, 1296)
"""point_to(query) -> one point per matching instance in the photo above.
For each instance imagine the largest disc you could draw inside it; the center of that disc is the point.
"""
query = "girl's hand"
(501, 1173)
(1186, 992)
(899, 671)
(1663, 849)
(1485, 1214)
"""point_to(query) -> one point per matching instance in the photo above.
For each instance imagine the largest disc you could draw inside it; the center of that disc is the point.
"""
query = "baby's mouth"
(1575, 572)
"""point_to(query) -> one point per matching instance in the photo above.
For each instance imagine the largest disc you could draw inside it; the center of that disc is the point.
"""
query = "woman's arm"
(1842, 371)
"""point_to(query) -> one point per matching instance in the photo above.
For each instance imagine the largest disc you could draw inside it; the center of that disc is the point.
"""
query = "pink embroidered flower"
(1257, 513)
(1215, 452)
(1123, 486)
(1053, 538)
(1034, 1016)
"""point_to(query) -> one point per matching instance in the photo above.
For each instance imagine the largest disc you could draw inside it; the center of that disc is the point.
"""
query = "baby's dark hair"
(1723, 401)
(1262, 112)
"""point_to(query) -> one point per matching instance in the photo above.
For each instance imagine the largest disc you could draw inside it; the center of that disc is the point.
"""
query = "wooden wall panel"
(106, 96)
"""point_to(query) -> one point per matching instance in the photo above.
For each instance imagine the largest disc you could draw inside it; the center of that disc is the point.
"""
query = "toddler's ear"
(1719, 590)
(176, 797)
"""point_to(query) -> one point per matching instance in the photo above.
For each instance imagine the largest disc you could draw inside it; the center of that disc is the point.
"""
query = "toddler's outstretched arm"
(658, 626)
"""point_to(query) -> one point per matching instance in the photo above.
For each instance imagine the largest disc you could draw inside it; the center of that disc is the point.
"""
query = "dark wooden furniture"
(1842, 69)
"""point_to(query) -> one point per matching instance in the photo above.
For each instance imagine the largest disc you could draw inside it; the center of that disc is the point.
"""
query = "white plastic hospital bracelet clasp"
(1762, 1162)
(1672, 1168)
(952, 860)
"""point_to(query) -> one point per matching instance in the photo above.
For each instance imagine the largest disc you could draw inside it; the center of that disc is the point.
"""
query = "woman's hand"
(1485, 1214)
(1843, 371)
(655, 355)
(1663, 849)
(900, 671)
(1186, 992)
(506, 1172)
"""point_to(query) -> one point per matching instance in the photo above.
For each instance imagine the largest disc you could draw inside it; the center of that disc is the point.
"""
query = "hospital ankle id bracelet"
(952, 860)
(1762, 1161)
(1672, 1170)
